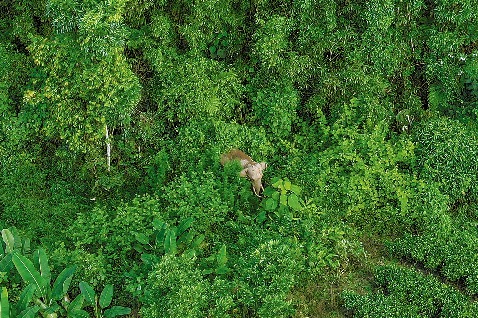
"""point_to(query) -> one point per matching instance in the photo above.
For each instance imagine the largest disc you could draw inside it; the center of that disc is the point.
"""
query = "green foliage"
(175, 288)
(447, 154)
(193, 88)
(100, 304)
(114, 115)
(283, 200)
(452, 254)
(50, 298)
(403, 292)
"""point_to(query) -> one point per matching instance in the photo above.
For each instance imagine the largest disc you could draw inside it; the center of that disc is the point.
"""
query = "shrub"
(403, 292)
(447, 153)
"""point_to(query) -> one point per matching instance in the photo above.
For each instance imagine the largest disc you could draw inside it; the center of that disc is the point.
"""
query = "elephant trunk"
(257, 186)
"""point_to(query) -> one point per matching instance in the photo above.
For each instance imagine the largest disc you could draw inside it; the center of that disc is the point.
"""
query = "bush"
(447, 153)
(403, 292)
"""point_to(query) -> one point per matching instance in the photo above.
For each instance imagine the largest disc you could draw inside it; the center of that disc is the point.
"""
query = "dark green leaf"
(140, 237)
(270, 204)
(116, 311)
(268, 191)
(29, 312)
(88, 292)
(197, 242)
(186, 238)
(184, 226)
(106, 296)
(6, 263)
(212, 49)
(26, 246)
(261, 217)
(76, 304)
(52, 309)
(158, 225)
(25, 297)
(221, 270)
(28, 273)
(62, 283)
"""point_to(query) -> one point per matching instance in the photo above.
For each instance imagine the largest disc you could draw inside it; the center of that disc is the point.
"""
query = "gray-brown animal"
(251, 169)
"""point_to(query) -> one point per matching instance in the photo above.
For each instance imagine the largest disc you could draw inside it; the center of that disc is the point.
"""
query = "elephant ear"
(263, 165)
(244, 173)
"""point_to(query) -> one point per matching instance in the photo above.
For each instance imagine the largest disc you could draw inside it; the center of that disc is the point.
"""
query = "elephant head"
(254, 172)
(251, 169)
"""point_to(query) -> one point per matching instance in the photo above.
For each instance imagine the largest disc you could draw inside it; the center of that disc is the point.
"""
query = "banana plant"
(45, 298)
(100, 304)
(12, 242)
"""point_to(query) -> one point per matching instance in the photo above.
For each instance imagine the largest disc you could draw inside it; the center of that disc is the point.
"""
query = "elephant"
(251, 169)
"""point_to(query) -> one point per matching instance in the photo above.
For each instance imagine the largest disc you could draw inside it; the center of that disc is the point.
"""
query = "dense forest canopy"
(114, 115)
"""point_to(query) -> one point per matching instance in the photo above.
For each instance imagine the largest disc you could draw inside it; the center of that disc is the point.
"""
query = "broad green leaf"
(184, 226)
(158, 225)
(186, 238)
(28, 273)
(275, 196)
(293, 202)
(268, 191)
(9, 240)
(261, 217)
(295, 189)
(170, 242)
(197, 242)
(287, 185)
(149, 259)
(116, 311)
(222, 256)
(278, 184)
(106, 296)
(79, 314)
(76, 304)
(29, 312)
(161, 236)
(26, 297)
(88, 292)
(283, 199)
(212, 49)
(51, 310)
(6, 263)
(44, 268)
(140, 237)
(62, 283)
(221, 270)
(270, 204)
(4, 304)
